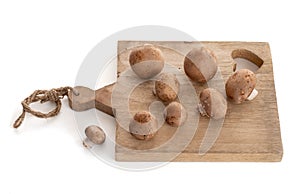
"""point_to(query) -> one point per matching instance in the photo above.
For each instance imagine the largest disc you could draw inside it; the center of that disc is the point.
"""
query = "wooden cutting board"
(250, 131)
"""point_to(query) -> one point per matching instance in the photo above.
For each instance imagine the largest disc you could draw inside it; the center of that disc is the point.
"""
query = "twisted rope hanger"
(54, 95)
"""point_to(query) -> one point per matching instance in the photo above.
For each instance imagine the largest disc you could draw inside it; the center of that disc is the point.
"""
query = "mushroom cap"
(212, 103)
(175, 114)
(200, 65)
(95, 134)
(240, 85)
(146, 61)
(167, 87)
(143, 125)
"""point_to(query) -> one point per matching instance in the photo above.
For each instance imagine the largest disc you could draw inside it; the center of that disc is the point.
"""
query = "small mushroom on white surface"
(94, 136)
(212, 104)
(146, 61)
(200, 65)
(175, 114)
(143, 125)
(167, 87)
(240, 86)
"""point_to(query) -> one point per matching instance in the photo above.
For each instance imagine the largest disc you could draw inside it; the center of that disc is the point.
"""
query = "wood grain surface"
(250, 132)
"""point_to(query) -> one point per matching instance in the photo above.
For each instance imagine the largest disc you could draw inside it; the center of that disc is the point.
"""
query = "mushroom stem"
(154, 91)
(253, 94)
(88, 143)
(202, 110)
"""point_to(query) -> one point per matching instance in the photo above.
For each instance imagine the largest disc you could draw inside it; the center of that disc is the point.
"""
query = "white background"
(42, 46)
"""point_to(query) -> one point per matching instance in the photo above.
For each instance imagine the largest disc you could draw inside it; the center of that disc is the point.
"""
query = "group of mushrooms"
(200, 65)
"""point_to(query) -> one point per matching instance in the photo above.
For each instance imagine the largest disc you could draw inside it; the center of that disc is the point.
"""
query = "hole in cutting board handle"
(245, 59)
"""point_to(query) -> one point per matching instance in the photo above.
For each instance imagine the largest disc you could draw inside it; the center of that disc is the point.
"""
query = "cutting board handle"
(87, 98)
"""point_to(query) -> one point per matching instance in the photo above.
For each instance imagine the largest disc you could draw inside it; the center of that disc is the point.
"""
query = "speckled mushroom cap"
(200, 65)
(240, 85)
(212, 104)
(175, 114)
(143, 125)
(167, 87)
(146, 61)
(95, 134)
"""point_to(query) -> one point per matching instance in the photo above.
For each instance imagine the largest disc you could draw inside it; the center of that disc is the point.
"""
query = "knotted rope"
(54, 95)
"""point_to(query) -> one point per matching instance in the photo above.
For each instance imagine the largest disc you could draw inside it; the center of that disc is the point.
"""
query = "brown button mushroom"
(143, 126)
(94, 135)
(146, 61)
(212, 104)
(200, 65)
(167, 87)
(175, 114)
(240, 85)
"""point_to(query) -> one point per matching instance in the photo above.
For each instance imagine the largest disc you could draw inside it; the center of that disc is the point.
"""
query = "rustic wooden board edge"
(193, 157)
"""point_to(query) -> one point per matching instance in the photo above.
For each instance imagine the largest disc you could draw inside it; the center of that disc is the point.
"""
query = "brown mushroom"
(200, 65)
(94, 135)
(167, 87)
(240, 85)
(175, 114)
(212, 104)
(146, 61)
(143, 125)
